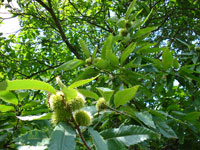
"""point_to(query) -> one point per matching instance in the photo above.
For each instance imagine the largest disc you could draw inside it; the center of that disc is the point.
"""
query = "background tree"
(134, 50)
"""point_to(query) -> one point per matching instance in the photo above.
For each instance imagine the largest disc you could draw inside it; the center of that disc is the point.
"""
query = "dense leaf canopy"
(142, 57)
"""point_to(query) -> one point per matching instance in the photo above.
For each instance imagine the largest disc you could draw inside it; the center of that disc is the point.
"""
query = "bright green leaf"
(105, 92)
(167, 59)
(123, 96)
(84, 48)
(127, 52)
(26, 85)
(107, 46)
(8, 97)
(69, 93)
(130, 9)
(81, 82)
(5, 108)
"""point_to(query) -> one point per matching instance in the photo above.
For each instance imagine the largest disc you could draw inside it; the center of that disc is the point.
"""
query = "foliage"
(123, 56)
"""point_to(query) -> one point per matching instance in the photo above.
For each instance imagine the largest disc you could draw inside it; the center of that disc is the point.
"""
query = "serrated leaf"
(87, 73)
(5, 108)
(127, 52)
(128, 135)
(144, 31)
(84, 48)
(146, 118)
(102, 64)
(123, 96)
(105, 92)
(130, 9)
(107, 46)
(164, 129)
(26, 85)
(32, 138)
(88, 93)
(99, 142)
(62, 138)
(81, 82)
(8, 97)
(72, 64)
(69, 93)
(37, 117)
(167, 59)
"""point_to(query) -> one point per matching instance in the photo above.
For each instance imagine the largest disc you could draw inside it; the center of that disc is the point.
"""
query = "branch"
(58, 25)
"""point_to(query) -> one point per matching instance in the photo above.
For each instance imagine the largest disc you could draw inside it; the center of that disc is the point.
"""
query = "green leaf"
(164, 129)
(105, 92)
(151, 50)
(121, 23)
(88, 93)
(81, 82)
(192, 116)
(123, 96)
(62, 138)
(184, 43)
(167, 59)
(72, 64)
(144, 31)
(5, 108)
(69, 93)
(8, 97)
(84, 48)
(102, 64)
(94, 53)
(128, 135)
(32, 138)
(107, 46)
(37, 117)
(127, 52)
(176, 64)
(87, 73)
(99, 142)
(130, 9)
(61, 85)
(146, 118)
(26, 85)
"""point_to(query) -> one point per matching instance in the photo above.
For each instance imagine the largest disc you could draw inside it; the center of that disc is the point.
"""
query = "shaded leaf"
(88, 93)
(146, 118)
(32, 138)
(62, 138)
(127, 52)
(99, 142)
(144, 31)
(72, 64)
(128, 135)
